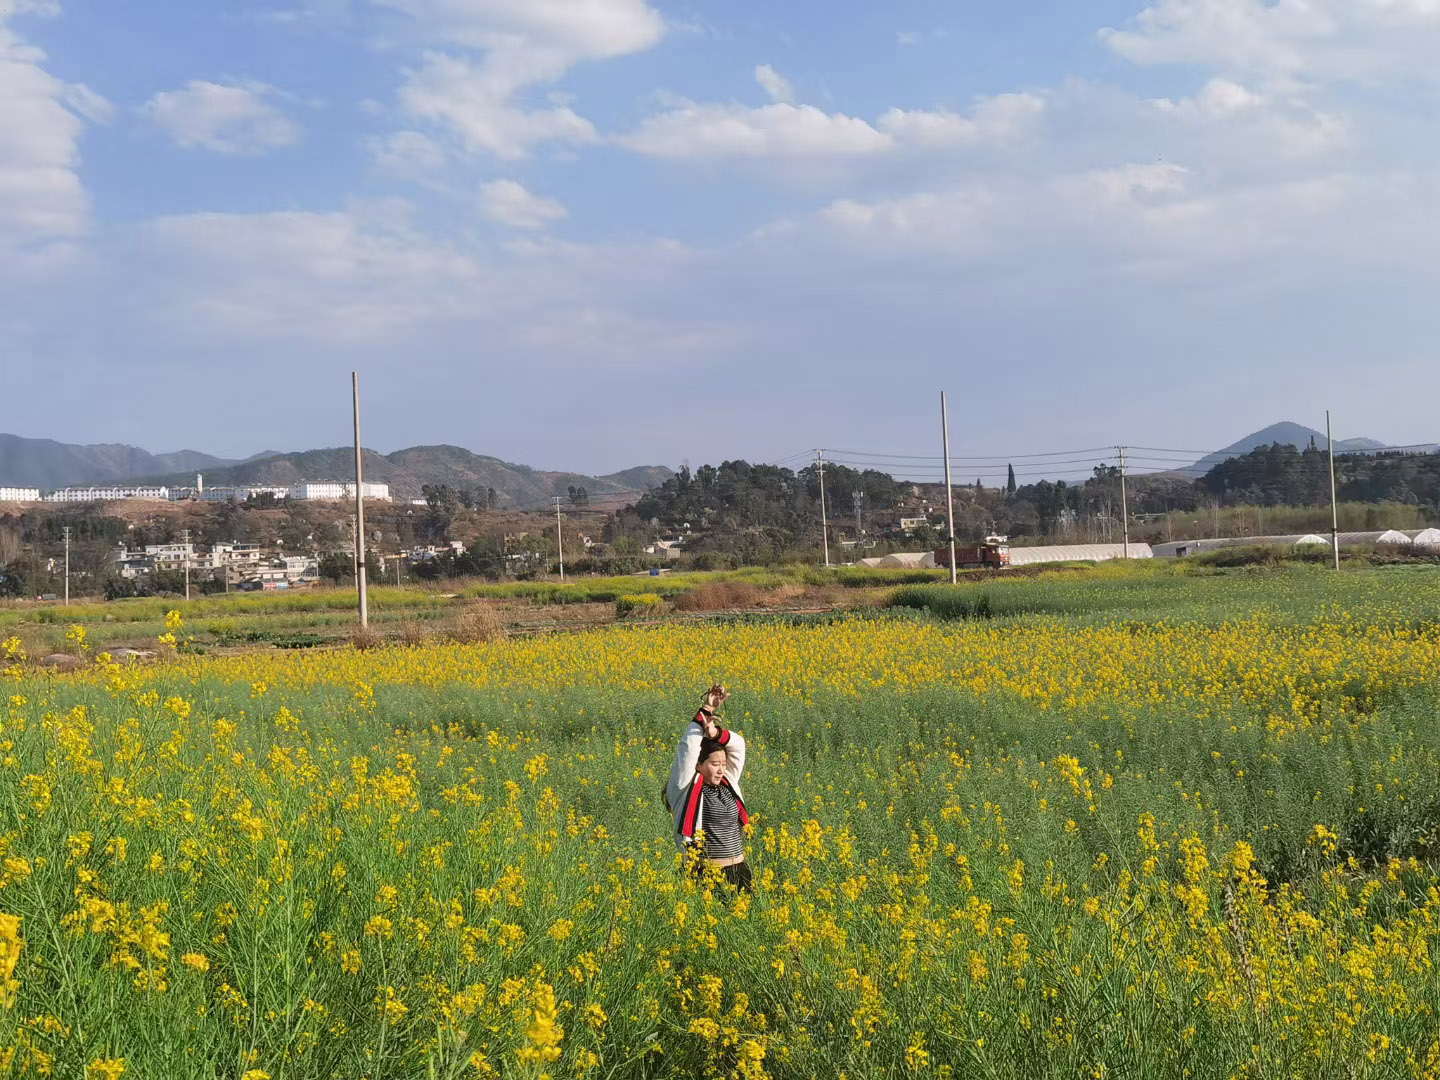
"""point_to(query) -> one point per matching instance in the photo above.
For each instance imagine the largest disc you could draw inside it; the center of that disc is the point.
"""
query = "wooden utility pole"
(1334, 510)
(360, 590)
(949, 492)
(66, 531)
(185, 554)
(559, 537)
(824, 520)
(1124, 507)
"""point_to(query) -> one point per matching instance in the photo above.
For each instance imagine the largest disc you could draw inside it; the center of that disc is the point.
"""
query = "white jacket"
(682, 790)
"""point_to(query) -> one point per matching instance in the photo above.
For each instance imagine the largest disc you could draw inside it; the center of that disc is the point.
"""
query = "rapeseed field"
(1043, 846)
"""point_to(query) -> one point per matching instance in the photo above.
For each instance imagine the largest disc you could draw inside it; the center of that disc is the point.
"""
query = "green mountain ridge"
(45, 463)
(408, 470)
(1287, 432)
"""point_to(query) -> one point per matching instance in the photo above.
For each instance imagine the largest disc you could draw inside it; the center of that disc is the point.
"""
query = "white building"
(172, 556)
(331, 490)
(19, 494)
(233, 554)
(105, 494)
(335, 490)
(133, 564)
(299, 567)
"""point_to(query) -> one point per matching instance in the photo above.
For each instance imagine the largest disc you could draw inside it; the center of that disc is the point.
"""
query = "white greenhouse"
(1386, 536)
(1429, 538)
(1026, 556)
(908, 560)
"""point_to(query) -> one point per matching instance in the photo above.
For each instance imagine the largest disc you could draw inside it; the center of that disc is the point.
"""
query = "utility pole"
(949, 492)
(824, 521)
(1334, 510)
(1124, 506)
(855, 497)
(360, 590)
(559, 537)
(66, 532)
(185, 555)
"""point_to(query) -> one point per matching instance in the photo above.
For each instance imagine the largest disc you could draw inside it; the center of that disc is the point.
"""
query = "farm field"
(1123, 822)
(325, 616)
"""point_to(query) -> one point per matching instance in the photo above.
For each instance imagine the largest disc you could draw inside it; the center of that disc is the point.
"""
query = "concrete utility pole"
(824, 520)
(1124, 506)
(185, 556)
(855, 497)
(559, 537)
(66, 532)
(1334, 510)
(360, 589)
(949, 492)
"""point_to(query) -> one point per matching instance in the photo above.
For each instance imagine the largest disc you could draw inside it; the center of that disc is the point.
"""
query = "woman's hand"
(713, 699)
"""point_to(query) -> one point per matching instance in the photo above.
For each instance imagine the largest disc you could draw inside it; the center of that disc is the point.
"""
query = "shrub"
(476, 624)
(411, 633)
(636, 603)
(720, 596)
(365, 637)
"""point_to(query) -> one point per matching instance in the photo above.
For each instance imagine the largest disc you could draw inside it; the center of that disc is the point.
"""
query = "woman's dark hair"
(708, 747)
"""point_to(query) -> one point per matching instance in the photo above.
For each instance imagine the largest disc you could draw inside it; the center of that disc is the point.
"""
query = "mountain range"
(1285, 432)
(46, 464)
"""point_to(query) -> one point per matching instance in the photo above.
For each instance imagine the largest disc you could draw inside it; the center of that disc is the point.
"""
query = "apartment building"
(335, 490)
(104, 494)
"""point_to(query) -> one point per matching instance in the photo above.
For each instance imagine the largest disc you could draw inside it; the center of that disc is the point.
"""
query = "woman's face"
(712, 769)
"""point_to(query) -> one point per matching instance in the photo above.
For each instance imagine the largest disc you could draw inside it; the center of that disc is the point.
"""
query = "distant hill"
(1285, 432)
(45, 463)
(406, 471)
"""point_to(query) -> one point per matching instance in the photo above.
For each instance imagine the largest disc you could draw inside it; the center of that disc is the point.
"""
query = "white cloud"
(1287, 39)
(1139, 221)
(334, 277)
(525, 43)
(509, 203)
(992, 119)
(411, 154)
(787, 131)
(42, 199)
(1259, 125)
(569, 29)
(907, 37)
(777, 130)
(228, 119)
(365, 282)
(775, 84)
(473, 102)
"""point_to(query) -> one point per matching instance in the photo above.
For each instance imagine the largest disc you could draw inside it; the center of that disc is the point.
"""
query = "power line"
(984, 464)
(996, 458)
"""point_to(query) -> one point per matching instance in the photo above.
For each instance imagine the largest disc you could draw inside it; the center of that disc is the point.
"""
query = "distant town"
(313, 490)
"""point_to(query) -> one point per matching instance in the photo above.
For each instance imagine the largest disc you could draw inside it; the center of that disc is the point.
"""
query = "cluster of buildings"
(246, 566)
(314, 490)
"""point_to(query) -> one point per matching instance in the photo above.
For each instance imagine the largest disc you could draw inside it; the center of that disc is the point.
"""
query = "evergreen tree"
(1010, 481)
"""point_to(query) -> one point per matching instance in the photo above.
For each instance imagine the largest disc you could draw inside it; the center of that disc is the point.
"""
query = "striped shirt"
(720, 819)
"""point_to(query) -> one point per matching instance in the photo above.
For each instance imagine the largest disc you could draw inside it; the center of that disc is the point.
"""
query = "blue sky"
(594, 233)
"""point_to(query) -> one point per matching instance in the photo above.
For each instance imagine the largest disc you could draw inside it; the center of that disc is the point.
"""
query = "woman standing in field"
(703, 793)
